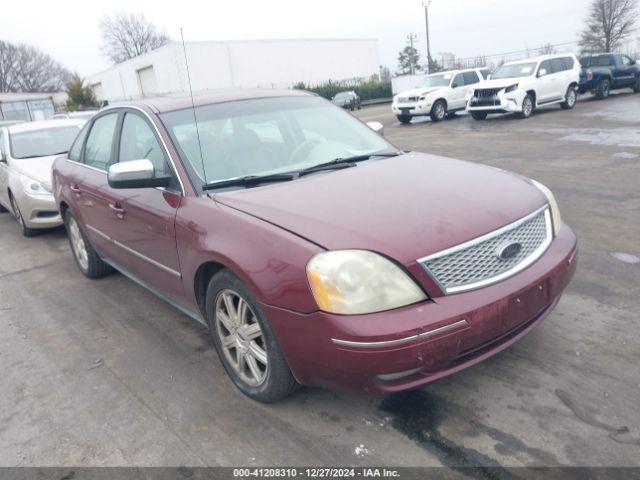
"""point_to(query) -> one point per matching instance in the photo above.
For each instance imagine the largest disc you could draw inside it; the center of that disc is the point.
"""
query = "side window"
(557, 65)
(546, 65)
(568, 63)
(458, 80)
(97, 152)
(470, 78)
(626, 60)
(138, 142)
(76, 148)
(1, 144)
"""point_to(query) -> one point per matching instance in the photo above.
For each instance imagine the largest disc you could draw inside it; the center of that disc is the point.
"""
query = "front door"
(458, 96)
(143, 219)
(546, 84)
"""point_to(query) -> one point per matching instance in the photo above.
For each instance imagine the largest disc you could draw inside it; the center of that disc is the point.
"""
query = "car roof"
(170, 103)
(540, 58)
(44, 124)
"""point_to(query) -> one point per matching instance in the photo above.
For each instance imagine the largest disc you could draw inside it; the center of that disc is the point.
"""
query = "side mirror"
(454, 85)
(376, 127)
(135, 174)
(542, 72)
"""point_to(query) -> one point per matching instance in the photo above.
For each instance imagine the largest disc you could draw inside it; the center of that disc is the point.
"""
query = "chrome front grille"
(479, 263)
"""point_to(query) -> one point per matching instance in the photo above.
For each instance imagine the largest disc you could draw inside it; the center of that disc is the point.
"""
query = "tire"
(636, 86)
(404, 119)
(603, 90)
(2, 209)
(570, 99)
(252, 358)
(24, 230)
(87, 259)
(527, 107)
(438, 111)
(479, 115)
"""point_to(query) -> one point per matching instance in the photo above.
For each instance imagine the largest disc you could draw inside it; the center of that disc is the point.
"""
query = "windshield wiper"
(249, 181)
(344, 162)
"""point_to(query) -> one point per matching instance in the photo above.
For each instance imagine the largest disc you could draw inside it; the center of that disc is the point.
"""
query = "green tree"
(408, 60)
(80, 96)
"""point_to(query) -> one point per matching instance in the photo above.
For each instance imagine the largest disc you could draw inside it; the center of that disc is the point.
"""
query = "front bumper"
(446, 334)
(502, 103)
(412, 109)
(38, 211)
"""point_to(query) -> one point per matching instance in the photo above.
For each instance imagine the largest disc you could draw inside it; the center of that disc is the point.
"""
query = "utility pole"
(412, 37)
(426, 4)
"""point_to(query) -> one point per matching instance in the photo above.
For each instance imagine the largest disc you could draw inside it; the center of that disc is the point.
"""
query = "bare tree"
(24, 68)
(609, 23)
(126, 35)
(547, 49)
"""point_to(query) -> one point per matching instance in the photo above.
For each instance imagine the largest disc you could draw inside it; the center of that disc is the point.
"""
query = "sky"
(68, 30)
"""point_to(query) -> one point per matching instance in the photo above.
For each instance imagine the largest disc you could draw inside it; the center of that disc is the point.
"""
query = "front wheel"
(527, 107)
(438, 111)
(479, 115)
(88, 260)
(404, 119)
(569, 99)
(245, 342)
(26, 231)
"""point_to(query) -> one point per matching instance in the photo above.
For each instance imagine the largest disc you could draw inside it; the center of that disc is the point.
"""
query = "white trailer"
(237, 64)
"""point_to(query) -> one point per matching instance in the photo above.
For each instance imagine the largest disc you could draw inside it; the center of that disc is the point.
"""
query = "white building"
(237, 64)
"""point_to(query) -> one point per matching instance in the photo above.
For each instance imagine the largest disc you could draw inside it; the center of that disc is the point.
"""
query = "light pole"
(426, 4)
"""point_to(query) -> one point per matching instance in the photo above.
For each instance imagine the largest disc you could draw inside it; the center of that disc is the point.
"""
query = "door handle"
(75, 189)
(118, 210)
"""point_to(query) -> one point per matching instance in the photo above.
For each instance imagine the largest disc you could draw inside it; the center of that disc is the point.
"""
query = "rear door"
(143, 219)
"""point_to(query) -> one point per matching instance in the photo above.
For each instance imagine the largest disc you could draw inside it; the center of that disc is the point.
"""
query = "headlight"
(32, 187)
(555, 210)
(353, 282)
(512, 88)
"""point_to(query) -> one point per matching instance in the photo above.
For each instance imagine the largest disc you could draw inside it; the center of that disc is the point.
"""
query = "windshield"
(514, 71)
(438, 80)
(42, 143)
(267, 136)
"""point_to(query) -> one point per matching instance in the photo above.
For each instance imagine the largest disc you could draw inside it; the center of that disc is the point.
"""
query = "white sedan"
(27, 152)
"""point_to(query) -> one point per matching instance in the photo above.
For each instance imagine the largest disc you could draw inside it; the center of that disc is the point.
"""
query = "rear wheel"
(603, 89)
(479, 115)
(527, 107)
(570, 99)
(245, 342)
(404, 119)
(26, 231)
(438, 111)
(88, 260)
(636, 86)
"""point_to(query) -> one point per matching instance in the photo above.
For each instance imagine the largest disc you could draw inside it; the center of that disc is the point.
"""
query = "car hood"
(500, 82)
(418, 92)
(37, 168)
(405, 207)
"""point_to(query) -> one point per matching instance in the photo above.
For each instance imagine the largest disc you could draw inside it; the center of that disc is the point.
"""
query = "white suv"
(438, 95)
(520, 87)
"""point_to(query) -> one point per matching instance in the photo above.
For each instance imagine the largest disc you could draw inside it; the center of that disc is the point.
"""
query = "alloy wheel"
(241, 337)
(440, 112)
(571, 98)
(78, 244)
(17, 214)
(527, 107)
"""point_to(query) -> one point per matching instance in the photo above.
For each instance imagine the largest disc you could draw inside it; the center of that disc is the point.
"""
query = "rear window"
(42, 143)
(596, 61)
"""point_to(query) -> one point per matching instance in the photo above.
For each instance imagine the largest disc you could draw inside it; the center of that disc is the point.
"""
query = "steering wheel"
(304, 148)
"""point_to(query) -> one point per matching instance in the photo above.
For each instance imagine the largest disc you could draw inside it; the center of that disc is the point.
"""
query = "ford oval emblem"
(508, 250)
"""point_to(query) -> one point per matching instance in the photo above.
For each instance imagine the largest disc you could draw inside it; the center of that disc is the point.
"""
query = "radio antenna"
(193, 105)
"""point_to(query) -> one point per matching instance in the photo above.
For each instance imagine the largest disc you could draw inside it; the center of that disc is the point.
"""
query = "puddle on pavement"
(625, 155)
(626, 257)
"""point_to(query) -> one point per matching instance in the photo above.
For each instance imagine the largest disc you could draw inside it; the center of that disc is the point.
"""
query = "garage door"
(147, 79)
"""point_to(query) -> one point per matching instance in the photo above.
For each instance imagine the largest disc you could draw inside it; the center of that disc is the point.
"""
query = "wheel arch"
(204, 274)
(534, 96)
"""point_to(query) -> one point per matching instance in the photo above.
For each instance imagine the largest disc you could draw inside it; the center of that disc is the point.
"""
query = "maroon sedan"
(316, 252)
